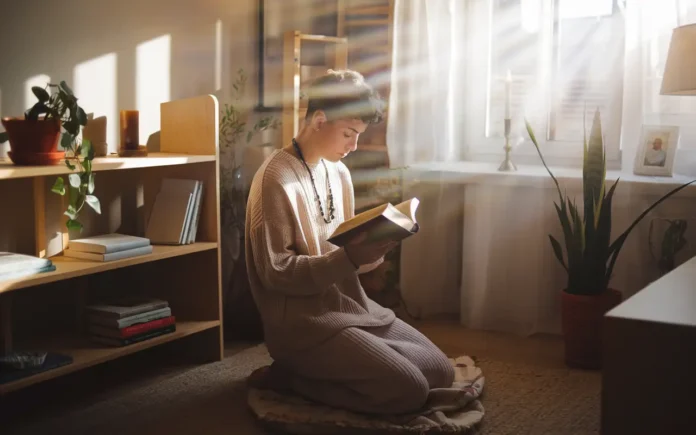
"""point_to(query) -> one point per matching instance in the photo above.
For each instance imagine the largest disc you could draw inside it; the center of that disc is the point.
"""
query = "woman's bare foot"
(271, 377)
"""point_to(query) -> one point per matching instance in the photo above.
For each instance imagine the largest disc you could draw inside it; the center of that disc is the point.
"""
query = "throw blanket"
(448, 410)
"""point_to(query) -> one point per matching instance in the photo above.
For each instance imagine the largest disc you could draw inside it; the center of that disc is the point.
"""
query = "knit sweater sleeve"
(273, 236)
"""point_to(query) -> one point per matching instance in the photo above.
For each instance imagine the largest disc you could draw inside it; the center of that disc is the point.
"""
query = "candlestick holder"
(507, 165)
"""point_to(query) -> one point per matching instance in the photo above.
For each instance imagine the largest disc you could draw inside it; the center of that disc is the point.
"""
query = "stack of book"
(175, 213)
(108, 247)
(15, 266)
(129, 320)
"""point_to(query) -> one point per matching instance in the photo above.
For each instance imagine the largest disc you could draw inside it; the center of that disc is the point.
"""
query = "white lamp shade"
(680, 68)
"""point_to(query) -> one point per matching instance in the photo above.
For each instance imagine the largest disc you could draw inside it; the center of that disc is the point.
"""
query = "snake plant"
(590, 254)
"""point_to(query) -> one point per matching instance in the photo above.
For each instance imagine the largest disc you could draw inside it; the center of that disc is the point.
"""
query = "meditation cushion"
(455, 410)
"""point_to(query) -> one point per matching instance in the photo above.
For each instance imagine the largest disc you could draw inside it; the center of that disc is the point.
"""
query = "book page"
(408, 208)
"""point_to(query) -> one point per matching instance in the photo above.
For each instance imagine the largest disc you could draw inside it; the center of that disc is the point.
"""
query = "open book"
(385, 222)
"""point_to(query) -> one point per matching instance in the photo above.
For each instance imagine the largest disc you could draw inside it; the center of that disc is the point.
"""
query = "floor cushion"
(455, 410)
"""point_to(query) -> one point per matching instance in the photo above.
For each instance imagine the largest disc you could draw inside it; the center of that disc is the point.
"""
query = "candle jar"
(130, 130)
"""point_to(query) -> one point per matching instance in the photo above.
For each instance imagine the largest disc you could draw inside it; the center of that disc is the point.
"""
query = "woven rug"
(212, 400)
(455, 410)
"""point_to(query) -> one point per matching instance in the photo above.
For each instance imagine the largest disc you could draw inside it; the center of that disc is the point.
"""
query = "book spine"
(133, 330)
(134, 339)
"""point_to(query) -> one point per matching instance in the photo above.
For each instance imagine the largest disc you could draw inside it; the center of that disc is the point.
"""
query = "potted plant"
(236, 133)
(56, 118)
(590, 255)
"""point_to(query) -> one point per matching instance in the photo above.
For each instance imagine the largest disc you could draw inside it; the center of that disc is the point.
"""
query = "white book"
(107, 243)
(196, 213)
(179, 185)
(143, 250)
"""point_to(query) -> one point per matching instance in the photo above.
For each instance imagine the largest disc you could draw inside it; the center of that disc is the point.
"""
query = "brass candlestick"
(507, 165)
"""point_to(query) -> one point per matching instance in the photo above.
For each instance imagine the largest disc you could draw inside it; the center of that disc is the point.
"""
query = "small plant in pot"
(590, 255)
(56, 119)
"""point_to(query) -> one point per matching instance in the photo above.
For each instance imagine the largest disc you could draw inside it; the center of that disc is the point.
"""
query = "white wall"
(126, 54)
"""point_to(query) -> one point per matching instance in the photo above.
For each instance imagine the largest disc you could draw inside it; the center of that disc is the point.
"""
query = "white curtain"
(483, 254)
(425, 81)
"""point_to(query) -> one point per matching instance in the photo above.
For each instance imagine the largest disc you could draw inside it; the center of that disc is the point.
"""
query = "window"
(564, 58)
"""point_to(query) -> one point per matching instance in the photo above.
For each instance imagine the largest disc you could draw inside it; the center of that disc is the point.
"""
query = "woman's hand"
(360, 253)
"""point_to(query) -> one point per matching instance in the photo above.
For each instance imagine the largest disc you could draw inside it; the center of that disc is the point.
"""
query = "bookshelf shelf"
(67, 267)
(8, 170)
(86, 354)
(37, 308)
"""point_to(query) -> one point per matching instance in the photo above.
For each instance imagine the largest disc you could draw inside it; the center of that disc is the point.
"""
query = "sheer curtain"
(423, 107)
(483, 253)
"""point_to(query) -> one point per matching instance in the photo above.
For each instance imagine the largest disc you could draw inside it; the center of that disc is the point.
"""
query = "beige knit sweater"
(306, 289)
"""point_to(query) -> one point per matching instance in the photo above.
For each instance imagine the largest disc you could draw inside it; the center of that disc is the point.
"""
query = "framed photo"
(656, 150)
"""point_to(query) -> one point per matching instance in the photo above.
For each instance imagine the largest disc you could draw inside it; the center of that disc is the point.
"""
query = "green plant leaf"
(558, 251)
(86, 148)
(250, 135)
(4, 137)
(69, 164)
(71, 212)
(40, 93)
(75, 195)
(93, 202)
(532, 136)
(81, 116)
(90, 184)
(615, 247)
(73, 224)
(75, 180)
(58, 186)
(64, 86)
(66, 141)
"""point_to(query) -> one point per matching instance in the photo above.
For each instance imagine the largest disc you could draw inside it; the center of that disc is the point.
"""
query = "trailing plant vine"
(61, 104)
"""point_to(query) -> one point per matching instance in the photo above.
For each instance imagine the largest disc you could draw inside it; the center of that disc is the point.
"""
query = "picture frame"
(656, 150)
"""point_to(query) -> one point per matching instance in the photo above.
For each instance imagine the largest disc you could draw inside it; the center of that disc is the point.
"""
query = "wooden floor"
(453, 339)
(119, 376)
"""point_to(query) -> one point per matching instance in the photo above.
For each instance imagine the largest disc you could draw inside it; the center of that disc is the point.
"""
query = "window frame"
(478, 65)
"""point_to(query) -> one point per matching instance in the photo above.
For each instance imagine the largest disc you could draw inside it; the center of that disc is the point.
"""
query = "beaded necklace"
(316, 193)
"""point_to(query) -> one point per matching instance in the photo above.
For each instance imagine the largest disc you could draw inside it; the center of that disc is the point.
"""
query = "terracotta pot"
(32, 138)
(582, 327)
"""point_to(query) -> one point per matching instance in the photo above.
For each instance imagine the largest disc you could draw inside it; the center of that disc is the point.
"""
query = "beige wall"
(93, 45)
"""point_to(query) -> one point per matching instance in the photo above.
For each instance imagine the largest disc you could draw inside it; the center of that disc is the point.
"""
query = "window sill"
(536, 176)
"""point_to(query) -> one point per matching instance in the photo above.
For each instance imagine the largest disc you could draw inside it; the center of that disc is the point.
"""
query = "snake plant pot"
(33, 142)
(582, 326)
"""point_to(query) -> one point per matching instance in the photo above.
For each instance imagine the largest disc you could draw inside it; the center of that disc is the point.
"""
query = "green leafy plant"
(236, 133)
(673, 241)
(61, 103)
(590, 255)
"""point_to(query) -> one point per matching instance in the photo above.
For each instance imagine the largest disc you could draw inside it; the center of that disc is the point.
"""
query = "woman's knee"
(443, 372)
(407, 390)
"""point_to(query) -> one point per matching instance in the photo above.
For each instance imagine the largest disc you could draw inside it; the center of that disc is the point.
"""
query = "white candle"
(508, 94)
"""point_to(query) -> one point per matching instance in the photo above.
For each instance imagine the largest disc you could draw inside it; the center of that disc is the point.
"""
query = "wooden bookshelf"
(9, 170)
(67, 267)
(87, 354)
(46, 311)
(294, 108)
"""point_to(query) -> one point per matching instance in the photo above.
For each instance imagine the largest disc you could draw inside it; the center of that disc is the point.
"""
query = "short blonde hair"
(345, 94)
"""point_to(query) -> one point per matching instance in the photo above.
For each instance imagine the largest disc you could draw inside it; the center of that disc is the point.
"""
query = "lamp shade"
(680, 68)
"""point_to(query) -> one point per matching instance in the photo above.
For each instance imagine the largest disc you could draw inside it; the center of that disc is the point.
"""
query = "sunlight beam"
(218, 55)
(96, 87)
(152, 85)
